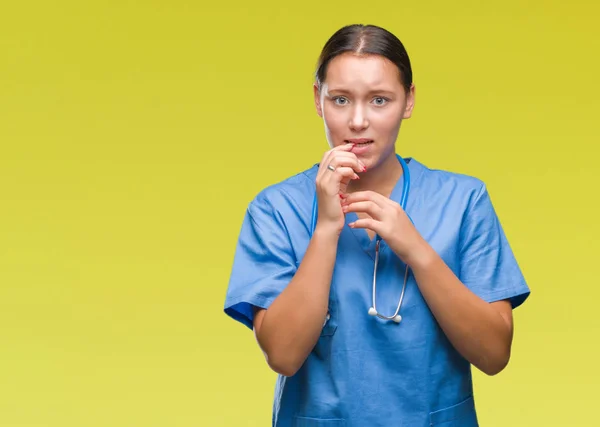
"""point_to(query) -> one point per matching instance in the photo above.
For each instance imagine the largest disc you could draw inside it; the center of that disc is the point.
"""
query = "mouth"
(360, 142)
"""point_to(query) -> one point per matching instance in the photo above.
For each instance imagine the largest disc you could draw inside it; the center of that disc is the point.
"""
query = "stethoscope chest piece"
(397, 318)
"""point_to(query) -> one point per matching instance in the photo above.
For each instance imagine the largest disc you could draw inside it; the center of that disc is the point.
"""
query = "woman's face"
(362, 100)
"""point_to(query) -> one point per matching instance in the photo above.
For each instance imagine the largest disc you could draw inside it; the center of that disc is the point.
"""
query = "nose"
(358, 119)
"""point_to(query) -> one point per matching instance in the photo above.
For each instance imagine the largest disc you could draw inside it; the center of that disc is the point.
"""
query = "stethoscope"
(373, 310)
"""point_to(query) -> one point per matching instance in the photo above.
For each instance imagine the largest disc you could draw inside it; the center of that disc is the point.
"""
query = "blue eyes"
(378, 101)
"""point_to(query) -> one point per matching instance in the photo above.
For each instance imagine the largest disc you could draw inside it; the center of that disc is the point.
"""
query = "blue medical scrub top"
(365, 371)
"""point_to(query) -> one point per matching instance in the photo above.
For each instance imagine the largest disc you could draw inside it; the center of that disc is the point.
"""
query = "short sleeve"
(263, 264)
(487, 263)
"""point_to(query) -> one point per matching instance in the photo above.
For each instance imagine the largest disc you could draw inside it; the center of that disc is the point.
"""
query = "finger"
(334, 181)
(343, 157)
(368, 223)
(343, 154)
(343, 147)
(352, 162)
(340, 150)
(341, 174)
(378, 198)
(368, 207)
(327, 156)
(367, 195)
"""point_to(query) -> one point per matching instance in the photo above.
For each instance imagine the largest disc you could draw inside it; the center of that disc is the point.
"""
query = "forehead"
(362, 71)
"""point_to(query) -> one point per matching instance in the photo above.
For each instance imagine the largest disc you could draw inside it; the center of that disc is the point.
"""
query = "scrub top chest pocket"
(317, 422)
(460, 415)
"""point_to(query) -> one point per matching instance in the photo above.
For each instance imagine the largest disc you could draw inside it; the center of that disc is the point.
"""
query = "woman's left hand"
(388, 220)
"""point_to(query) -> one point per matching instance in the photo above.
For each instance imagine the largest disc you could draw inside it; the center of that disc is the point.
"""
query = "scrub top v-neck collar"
(362, 237)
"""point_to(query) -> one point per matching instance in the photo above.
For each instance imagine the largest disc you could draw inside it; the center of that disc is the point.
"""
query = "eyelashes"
(378, 101)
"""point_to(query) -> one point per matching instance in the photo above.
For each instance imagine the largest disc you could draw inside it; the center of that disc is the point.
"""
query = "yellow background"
(133, 135)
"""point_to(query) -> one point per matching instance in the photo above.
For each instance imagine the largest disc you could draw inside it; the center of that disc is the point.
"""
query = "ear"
(410, 102)
(317, 95)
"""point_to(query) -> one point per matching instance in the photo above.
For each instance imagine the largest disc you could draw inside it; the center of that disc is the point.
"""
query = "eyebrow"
(371, 92)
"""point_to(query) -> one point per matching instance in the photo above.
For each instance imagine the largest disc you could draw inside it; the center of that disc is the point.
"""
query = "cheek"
(388, 122)
(335, 122)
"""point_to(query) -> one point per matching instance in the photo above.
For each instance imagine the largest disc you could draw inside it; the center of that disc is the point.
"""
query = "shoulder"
(443, 185)
(444, 177)
(294, 192)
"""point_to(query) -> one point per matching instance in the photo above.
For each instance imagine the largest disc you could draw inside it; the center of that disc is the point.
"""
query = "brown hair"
(364, 40)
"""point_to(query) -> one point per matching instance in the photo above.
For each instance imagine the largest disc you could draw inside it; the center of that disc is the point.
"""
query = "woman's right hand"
(332, 183)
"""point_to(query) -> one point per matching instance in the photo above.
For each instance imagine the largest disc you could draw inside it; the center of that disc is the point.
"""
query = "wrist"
(327, 231)
(421, 256)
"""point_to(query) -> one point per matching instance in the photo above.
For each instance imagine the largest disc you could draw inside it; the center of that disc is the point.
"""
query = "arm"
(291, 326)
(481, 332)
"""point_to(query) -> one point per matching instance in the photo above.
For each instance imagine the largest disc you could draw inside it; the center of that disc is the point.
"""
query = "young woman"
(372, 282)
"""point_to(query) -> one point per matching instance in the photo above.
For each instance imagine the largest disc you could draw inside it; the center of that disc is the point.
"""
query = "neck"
(382, 178)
